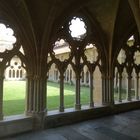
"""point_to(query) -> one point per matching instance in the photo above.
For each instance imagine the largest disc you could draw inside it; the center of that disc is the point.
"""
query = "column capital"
(61, 76)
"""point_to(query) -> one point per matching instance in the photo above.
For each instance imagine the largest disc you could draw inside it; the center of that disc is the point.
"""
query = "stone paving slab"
(114, 134)
(124, 126)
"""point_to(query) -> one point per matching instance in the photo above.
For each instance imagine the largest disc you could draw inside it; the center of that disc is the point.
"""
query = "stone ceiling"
(35, 19)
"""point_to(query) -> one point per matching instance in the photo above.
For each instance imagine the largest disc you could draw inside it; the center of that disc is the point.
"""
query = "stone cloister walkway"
(124, 126)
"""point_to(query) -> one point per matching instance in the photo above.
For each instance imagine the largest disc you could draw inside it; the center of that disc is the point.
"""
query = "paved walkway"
(124, 126)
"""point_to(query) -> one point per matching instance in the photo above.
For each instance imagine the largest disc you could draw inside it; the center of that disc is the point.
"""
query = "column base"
(120, 100)
(78, 106)
(129, 99)
(137, 98)
(61, 109)
(28, 113)
(91, 105)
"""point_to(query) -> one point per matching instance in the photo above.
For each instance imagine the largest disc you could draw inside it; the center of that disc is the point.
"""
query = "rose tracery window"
(77, 28)
(7, 38)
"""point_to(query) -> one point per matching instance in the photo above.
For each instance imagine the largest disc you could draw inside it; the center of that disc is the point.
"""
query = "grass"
(14, 96)
(69, 95)
(123, 95)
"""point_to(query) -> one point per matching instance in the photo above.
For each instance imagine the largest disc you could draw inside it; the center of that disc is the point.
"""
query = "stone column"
(111, 90)
(120, 88)
(103, 90)
(85, 78)
(61, 108)
(69, 74)
(107, 90)
(137, 87)
(91, 90)
(40, 91)
(78, 103)
(39, 101)
(129, 87)
(46, 95)
(29, 94)
(1, 97)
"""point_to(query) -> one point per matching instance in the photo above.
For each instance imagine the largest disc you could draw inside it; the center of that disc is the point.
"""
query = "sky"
(7, 38)
(77, 27)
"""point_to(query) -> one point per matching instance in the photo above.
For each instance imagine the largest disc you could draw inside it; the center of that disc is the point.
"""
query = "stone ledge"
(15, 124)
(20, 123)
(55, 118)
(125, 106)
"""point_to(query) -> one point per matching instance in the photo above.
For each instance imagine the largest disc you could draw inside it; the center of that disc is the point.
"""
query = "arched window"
(82, 77)
(76, 63)
(13, 74)
(13, 92)
(87, 77)
(10, 73)
(14, 88)
(70, 74)
(17, 74)
(21, 75)
(127, 74)
(67, 75)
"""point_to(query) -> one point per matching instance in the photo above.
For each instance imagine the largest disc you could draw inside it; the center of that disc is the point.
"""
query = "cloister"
(100, 43)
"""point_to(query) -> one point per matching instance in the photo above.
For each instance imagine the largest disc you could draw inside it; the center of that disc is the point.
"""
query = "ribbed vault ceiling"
(37, 18)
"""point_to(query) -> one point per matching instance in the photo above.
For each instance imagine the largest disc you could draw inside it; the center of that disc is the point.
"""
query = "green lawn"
(14, 96)
(124, 94)
(69, 93)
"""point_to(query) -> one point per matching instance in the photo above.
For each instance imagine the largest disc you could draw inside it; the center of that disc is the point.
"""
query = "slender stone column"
(91, 90)
(40, 94)
(85, 78)
(137, 87)
(69, 74)
(45, 91)
(120, 88)
(39, 101)
(111, 90)
(78, 104)
(61, 108)
(107, 90)
(1, 97)
(129, 88)
(29, 95)
(104, 92)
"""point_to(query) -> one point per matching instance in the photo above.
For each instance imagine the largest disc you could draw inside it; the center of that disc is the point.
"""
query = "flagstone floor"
(124, 126)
